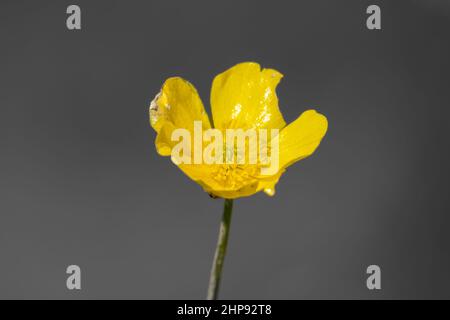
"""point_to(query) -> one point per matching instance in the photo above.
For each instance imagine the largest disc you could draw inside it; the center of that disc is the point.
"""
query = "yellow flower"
(243, 97)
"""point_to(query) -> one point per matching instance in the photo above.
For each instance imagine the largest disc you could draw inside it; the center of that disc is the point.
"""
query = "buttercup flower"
(243, 97)
(244, 106)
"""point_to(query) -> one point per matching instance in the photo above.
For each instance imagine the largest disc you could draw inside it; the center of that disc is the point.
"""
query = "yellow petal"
(206, 176)
(177, 105)
(268, 184)
(300, 138)
(246, 189)
(200, 173)
(163, 140)
(244, 97)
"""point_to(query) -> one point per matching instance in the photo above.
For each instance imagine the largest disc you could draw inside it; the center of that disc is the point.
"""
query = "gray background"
(81, 182)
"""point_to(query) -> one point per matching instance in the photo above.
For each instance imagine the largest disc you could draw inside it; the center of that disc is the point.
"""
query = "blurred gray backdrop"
(81, 182)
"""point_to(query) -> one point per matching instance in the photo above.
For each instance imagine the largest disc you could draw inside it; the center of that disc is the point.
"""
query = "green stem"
(221, 250)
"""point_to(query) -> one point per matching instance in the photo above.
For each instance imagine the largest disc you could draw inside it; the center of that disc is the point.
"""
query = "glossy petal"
(211, 179)
(300, 138)
(177, 105)
(202, 174)
(244, 97)
(268, 185)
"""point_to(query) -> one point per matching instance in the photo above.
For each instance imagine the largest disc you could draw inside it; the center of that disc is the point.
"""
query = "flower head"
(243, 102)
